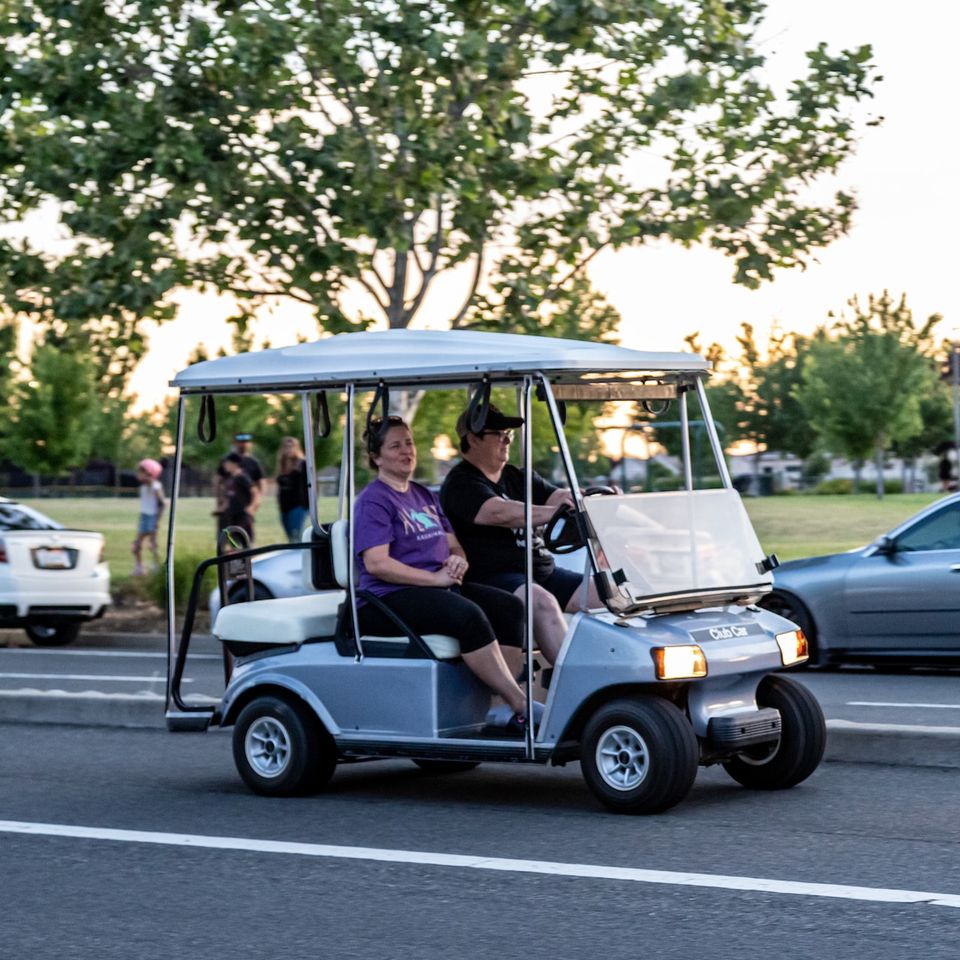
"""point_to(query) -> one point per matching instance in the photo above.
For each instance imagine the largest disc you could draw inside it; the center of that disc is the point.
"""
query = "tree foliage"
(273, 148)
(53, 414)
(865, 379)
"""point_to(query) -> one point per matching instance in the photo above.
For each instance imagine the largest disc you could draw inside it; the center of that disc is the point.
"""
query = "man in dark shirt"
(483, 499)
(241, 493)
(242, 443)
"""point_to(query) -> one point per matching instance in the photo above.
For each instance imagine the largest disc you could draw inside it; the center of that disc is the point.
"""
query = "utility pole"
(955, 377)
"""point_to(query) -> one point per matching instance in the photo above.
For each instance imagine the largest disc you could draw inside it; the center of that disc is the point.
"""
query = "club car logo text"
(727, 633)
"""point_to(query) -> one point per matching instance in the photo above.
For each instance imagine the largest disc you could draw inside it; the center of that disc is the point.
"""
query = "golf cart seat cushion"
(443, 648)
(280, 621)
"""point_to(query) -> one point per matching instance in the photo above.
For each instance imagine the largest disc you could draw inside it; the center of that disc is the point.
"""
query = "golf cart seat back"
(260, 624)
(442, 647)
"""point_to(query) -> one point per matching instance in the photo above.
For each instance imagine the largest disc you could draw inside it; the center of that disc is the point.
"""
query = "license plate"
(53, 558)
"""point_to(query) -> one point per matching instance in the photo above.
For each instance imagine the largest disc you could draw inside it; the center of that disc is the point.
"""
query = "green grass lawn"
(791, 527)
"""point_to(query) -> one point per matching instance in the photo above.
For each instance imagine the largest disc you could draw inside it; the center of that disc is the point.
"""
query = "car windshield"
(665, 545)
(19, 517)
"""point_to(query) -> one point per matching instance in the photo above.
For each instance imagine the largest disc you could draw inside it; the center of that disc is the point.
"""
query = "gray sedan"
(895, 601)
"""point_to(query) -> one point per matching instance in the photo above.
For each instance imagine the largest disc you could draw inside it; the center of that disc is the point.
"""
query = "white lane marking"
(84, 676)
(853, 725)
(581, 870)
(925, 706)
(141, 696)
(37, 652)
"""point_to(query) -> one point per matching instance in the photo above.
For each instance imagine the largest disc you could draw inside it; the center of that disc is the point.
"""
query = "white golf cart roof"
(410, 356)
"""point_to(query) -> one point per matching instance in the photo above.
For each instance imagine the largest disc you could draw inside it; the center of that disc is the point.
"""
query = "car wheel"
(639, 755)
(281, 749)
(803, 737)
(790, 608)
(446, 766)
(52, 635)
(238, 592)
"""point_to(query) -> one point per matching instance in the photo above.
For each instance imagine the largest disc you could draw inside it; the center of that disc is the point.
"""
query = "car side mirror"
(886, 546)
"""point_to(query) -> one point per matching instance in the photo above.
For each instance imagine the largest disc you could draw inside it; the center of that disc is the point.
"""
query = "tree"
(863, 387)
(353, 148)
(53, 412)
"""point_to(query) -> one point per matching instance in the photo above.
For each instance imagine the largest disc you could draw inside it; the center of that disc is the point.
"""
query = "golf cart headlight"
(679, 663)
(793, 647)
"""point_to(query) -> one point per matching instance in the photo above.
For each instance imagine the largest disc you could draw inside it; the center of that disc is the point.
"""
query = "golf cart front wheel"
(280, 748)
(798, 752)
(639, 755)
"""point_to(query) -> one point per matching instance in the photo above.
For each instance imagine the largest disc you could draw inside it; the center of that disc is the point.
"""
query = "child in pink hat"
(152, 502)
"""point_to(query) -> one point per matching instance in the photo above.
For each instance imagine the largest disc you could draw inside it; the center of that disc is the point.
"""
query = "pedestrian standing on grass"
(152, 502)
(292, 495)
(242, 444)
(242, 495)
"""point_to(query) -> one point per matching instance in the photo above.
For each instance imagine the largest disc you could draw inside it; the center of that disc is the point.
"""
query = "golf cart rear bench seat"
(294, 620)
(281, 621)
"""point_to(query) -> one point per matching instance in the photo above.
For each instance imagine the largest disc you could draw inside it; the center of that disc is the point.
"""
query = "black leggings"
(473, 614)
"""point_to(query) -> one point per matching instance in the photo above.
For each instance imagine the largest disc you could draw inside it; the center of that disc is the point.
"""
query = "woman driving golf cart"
(412, 566)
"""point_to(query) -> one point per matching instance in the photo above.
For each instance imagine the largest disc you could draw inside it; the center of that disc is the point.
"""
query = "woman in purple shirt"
(410, 559)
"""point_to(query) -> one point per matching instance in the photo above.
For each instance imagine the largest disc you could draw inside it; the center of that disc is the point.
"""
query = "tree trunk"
(878, 463)
(857, 468)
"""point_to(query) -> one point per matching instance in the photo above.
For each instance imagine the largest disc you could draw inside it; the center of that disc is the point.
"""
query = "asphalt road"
(135, 665)
(389, 888)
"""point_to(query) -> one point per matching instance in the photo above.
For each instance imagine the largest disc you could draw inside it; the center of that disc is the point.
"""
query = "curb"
(891, 743)
(847, 742)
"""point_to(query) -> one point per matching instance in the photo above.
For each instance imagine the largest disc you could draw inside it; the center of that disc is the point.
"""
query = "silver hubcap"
(267, 746)
(622, 758)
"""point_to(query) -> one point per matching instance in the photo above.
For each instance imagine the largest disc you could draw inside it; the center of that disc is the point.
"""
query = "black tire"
(803, 737)
(281, 748)
(446, 766)
(648, 731)
(238, 592)
(52, 634)
(790, 608)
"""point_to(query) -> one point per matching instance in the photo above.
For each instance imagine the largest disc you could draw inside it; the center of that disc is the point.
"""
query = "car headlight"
(679, 663)
(793, 647)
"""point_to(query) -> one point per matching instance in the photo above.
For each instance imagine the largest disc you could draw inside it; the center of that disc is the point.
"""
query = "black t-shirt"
(249, 465)
(292, 488)
(491, 550)
(239, 491)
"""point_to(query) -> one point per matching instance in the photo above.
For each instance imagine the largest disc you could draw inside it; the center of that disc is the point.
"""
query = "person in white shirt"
(152, 502)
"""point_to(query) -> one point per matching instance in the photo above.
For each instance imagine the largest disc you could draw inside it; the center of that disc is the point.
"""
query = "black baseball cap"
(496, 420)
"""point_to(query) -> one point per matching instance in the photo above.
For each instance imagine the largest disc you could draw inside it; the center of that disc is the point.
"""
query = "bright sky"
(903, 237)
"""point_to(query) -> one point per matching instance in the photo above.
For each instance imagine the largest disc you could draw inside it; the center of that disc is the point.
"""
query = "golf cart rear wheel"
(52, 634)
(446, 766)
(803, 737)
(281, 749)
(639, 755)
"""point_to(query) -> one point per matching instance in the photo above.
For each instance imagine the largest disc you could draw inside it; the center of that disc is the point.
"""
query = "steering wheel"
(562, 533)
(601, 491)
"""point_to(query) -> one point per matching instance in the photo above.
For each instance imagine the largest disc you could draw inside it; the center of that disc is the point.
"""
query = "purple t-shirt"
(412, 523)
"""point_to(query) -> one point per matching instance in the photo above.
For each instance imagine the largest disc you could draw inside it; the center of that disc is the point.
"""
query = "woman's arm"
(381, 565)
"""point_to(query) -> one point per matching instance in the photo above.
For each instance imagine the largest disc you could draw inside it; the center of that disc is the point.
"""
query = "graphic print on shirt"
(420, 521)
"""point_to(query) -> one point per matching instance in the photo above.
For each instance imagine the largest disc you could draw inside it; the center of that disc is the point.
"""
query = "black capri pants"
(473, 614)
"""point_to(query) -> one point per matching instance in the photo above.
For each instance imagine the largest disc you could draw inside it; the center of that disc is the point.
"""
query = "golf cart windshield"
(671, 550)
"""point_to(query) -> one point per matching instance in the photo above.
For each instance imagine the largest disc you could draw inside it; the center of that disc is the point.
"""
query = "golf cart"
(677, 669)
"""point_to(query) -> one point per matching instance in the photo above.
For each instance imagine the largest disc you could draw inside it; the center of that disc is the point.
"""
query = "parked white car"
(51, 579)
